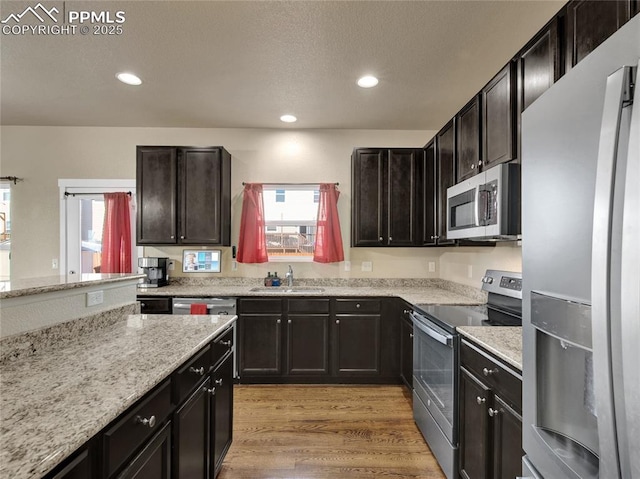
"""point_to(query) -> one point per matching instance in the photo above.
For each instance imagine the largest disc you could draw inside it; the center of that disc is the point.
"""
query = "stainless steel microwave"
(486, 206)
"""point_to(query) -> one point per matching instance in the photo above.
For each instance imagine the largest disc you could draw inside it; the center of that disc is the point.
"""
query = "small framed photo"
(201, 261)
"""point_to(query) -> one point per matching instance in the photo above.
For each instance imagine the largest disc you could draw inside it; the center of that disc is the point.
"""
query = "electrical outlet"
(367, 266)
(54, 263)
(234, 266)
(470, 271)
(432, 267)
(347, 265)
(95, 297)
(172, 265)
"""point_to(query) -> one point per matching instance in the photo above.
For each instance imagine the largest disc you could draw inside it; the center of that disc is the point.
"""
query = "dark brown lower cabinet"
(308, 344)
(154, 461)
(260, 344)
(78, 467)
(191, 435)
(357, 344)
(221, 414)
(490, 417)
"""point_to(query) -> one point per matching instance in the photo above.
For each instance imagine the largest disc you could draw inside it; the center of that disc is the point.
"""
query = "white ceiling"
(242, 64)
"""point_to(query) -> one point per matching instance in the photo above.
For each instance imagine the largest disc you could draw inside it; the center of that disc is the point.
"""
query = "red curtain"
(252, 245)
(328, 237)
(116, 234)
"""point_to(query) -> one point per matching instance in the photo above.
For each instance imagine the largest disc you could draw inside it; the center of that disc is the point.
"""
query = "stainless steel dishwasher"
(214, 306)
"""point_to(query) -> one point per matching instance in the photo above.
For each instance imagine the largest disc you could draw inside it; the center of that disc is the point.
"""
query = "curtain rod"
(15, 179)
(66, 193)
(291, 184)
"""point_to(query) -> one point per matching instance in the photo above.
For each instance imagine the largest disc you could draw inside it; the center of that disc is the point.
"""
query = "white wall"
(41, 155)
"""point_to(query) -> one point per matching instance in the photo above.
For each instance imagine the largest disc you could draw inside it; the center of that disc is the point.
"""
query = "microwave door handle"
(477, 208)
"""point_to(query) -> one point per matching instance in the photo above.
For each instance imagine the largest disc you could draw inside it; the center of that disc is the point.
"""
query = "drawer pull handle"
(480, 400)
(146, 422)
(211, 392)
(493, 412)
(278, 321)
(488, 372)
(143, 305)
(199, 370)
(226, 343)
(411, 335)
(358, 305)
(337, 321)
(218, 382)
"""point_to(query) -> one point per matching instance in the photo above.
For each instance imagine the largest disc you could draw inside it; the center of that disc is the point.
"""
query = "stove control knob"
(487, 279)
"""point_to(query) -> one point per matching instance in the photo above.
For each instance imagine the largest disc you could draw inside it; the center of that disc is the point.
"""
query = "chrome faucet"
(289, 277)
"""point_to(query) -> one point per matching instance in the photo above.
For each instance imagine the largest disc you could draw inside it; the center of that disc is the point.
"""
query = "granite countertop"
(430, 292)
(46, 284)
(54, 401)
(503, 341)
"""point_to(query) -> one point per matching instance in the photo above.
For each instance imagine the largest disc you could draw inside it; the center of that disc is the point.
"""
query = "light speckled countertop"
(51, 403)
(431, 293)
(503, 341)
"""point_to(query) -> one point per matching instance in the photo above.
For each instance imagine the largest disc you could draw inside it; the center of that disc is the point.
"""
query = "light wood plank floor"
(322, 432)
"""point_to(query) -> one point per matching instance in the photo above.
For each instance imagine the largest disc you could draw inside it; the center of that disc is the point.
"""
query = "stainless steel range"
(436, 354)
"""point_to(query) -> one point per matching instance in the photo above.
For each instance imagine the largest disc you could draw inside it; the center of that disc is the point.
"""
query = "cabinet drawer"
(357, 306)
(221, 346)
(128, 434)
(260, 305)
(309, 305)
(494, 374)
(188, 376)
(155, 305)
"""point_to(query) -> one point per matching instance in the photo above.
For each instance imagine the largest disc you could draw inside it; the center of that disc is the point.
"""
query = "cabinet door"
(539, 64)
(222, 414)
(205, 195)
(475, 398)
(77, 468)
(156, 195)
(191, 435)
(260, 344)
(468, 140)
(154, 305)
(589, 23)
(446, 160)
(406, 349)
(507, 441)
(499, 113)
(368, 221)
(357, 345)
(154, 461)
(308, 344)
(429, 195)
(402, 179)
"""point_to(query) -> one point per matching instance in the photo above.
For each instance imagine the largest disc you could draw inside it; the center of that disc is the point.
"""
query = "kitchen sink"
(286, 289)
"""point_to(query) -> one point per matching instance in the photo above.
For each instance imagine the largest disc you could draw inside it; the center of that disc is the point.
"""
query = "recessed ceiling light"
(367, 81)
(128, 78)
(288, 118)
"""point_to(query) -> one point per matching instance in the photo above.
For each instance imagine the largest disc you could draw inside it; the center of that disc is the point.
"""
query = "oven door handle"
(447, 340)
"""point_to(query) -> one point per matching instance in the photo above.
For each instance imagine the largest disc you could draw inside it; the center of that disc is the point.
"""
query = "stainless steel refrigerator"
(581, 268)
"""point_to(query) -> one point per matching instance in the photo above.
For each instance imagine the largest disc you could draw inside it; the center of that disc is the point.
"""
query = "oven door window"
(463, 212)
(434, 371)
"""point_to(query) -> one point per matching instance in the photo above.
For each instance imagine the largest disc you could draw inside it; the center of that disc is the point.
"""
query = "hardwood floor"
(322, 432)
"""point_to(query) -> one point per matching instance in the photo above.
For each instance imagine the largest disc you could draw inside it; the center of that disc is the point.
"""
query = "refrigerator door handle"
(603, 217)
(630, 297)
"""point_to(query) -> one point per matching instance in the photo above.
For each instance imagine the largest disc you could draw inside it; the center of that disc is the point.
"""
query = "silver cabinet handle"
(406, 311)
(182, 237)
(199, 370)
(488, 372)
(218, 382)
(473, 167)
(146, 422)
(142, 305)
(172, 237)
(390, 238)
(480, 163)
(211, 392)
(289, 321)
(480, 400)
(337, 321)
(358, 305)
(278, 321)
(381, 239)
(226, 343)
(411, 335)
(493, 412)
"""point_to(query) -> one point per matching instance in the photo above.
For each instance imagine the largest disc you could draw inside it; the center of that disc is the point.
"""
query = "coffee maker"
(156, 271)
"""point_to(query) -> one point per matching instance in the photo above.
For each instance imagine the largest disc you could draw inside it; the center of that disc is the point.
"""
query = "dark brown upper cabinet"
(468, 140)
(385, 186)
(446, 174)
(184, 195)
(589, 23)
(539, 64)
(499, 118)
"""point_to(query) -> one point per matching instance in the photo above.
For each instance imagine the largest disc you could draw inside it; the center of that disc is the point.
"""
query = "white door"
(81, 221)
